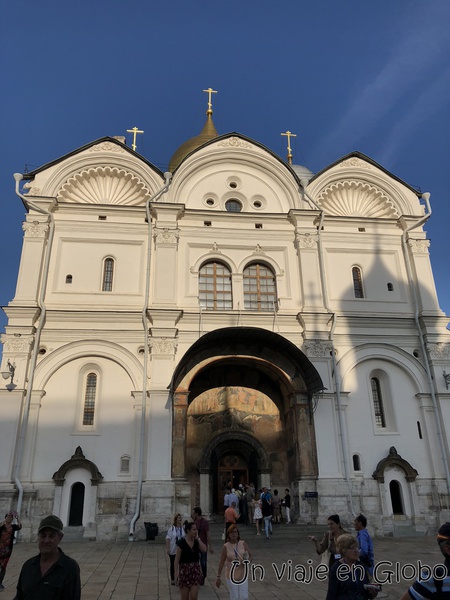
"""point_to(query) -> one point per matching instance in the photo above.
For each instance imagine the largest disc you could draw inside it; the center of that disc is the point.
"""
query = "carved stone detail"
(32, 191)
(356, 199)
(78, 461)
(163, 346)
(439, 350)
(306, 240)
(318, 348)
(106, 147)
(235, 142)
(419, 246)
(355, 162)
(166, 236)
(15, 345)
(215, 249)
(259, 250)
(35, 229)
(394, 460)
(104, 185)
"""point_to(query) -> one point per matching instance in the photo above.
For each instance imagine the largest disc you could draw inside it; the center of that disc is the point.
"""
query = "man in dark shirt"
(51, 575)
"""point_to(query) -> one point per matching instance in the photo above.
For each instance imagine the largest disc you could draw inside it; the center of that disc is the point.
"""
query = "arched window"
(395, 490)
(356, 462)
(378, 405)
(108, 274)
(89, 399)
(125, 464)
(357, 282)
(259, 287)
(69, 278)
(214, 287)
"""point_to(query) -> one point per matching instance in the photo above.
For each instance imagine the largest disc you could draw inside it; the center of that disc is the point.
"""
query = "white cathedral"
(236, 318)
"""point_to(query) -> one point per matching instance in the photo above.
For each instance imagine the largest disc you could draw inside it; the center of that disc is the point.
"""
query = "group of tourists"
(350, 560)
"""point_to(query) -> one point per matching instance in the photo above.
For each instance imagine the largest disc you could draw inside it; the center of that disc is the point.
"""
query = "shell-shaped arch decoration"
(356, 199)
(104, 185)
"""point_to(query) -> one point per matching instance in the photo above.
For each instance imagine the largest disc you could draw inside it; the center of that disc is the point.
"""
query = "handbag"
(325, 557)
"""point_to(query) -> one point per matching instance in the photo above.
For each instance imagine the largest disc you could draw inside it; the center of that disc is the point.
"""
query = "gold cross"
(134, 131)
(209, 91)
(288, 134)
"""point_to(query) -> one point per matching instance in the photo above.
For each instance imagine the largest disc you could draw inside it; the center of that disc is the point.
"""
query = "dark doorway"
(76, 505)
(396, 498)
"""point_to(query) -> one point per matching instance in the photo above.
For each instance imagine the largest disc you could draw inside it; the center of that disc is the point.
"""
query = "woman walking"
(7, 531)
(174, 534)
(188, 572)
(257, 513)
(235, 553)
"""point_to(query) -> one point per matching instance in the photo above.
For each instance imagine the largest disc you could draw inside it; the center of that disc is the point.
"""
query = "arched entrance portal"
(242, 411)
(76, 504)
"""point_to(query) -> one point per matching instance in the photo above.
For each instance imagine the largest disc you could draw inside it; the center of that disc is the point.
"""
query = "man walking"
(51, 574)
(203, 533)
(266, 508)
(364, 542)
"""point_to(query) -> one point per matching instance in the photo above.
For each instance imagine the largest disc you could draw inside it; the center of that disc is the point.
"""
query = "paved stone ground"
(138, 570)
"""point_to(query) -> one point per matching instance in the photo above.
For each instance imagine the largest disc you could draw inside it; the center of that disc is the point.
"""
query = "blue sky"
(349, 75)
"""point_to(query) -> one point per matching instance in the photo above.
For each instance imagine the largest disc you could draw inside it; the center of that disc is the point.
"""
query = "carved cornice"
(166, 236)
(318, 348)
(32, 191)
(439, 350)
(163, 346)
(355, 162)
(356, 199)
(235, 142)
(77, 461)
(107, 147)
(306, 240)
(15, 345)
(394, 460)
(104, 185)
(419, 246)
(35, 229)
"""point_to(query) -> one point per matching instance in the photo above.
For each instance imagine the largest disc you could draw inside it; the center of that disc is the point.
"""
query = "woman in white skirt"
(257, 513)
(236, 556)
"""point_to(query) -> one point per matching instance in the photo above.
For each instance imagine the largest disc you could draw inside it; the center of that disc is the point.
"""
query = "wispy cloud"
(430, 101)
(423, 41)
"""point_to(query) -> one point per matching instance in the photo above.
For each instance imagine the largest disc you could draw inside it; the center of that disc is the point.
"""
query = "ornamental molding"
(215, 249)
(419, 246)
(166, 236)
(235, 142)
(394, 460)
(258, 250)
(104, 185)
(355, 162)
(306, 240)
(107, 147)
(318, 348)
(77, 461)
(163, 346)
(439, 350)
(35, 229)
(352, 198)
(15, 345)
(32, 191)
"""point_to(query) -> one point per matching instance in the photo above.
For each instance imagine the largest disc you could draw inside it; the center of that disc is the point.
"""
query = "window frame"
(262, 296)
(108, 274)
(222, 298)
(358, 283)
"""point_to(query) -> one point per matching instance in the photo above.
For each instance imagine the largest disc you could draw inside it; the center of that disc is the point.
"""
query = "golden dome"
(207, 133)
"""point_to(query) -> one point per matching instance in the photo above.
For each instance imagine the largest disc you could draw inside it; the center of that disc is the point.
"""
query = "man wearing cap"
(426, 586)
(51, 574)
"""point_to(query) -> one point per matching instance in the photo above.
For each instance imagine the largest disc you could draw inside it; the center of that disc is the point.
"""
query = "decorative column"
(180, 406)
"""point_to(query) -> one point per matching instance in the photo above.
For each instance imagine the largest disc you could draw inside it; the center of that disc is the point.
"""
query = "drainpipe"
(336, 374)
(405, 237)
(154, 198)
(26, 412)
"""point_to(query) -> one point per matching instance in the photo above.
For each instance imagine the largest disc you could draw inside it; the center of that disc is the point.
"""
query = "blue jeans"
(203, 560)
(268, 525)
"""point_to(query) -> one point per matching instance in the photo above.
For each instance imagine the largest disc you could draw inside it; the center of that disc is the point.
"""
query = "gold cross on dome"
(134, 131)
(210, 91)
(289, 134)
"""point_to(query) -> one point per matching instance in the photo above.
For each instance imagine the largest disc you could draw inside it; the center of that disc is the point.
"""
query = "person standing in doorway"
(7, 532)
(204, 534)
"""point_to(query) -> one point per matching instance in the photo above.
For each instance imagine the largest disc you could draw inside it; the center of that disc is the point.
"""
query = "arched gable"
(102, 172)
(394, 459)
(78, 460)
(235, 167)
(356, 186)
